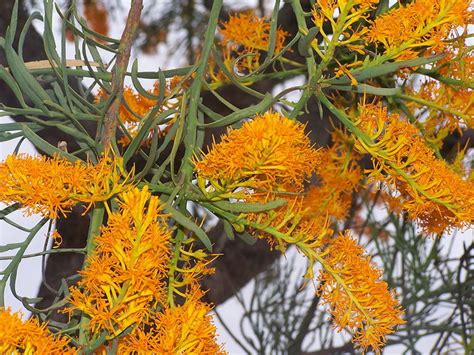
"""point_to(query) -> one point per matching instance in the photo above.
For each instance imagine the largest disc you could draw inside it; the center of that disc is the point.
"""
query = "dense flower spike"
(359, 299)
(339, 176)
(29, 337)
(52, 186)
(245, 34)
(426, 188)
(187, 329)
(270, 152)
(122, 283)
(445, 108)
(344, 17)
(417, 25)
(251, 32)
(184, 329)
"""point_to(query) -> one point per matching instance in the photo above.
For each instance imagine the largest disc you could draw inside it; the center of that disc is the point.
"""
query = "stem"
(94, 229)
(310, 62)
(367, 143)
(119, 71)
(432, 105)
(195, 93)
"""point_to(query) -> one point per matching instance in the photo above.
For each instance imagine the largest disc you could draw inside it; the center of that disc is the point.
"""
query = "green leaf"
(228, 229)
(247, 112)
(11, 246)
(248, 207)
(368, 89)
(150, 121)
(304, 44)
(247, 238)
(44, 146)
(383, 69)
(187, 223)
(138, 86)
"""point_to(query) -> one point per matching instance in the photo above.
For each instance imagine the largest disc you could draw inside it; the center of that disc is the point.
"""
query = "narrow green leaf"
(228, 229)
(150, 121)
(247, 238)
(11, 246)
(247, 112)
(368, 89)
(44, 146)
(304, 44)
(187, 223)
(248, 207)
(383, 69)
(138, 86)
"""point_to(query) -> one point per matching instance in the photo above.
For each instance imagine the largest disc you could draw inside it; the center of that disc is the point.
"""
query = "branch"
(119, 70)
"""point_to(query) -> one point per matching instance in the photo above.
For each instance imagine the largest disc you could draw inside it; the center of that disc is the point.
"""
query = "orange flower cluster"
(185, 329)
(358, 298)
(271, 152)
(245, 33)
(417, 25)
(186, 270)
(426, 188)
(122, 283)
(52, 186)
(250, 31)
(345, 18)
(96, 16)
(135, 107)
(446, 108)
(339, 175)
(29, 337)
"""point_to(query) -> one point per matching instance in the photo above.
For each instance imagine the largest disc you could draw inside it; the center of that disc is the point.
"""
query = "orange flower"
(52, 186)
(339, 175)
(28, 337)
(359, 300)
(421, 23)
(122, 283)
(245, 33)
(426, 188)
(135, 107)
(250, 31)
(270, 152)
(185, 329)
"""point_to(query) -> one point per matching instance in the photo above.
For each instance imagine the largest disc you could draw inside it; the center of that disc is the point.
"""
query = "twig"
(119, 70)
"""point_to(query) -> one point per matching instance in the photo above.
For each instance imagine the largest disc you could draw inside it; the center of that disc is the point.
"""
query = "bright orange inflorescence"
(418, 25)
(358, 298)
(184, 329)
(339, 175)
(135, 107)
(446, 108)
(29, 337)
(271, 152)
(245, 34)
(250, 31)
(122, 284)
(52, 186)
(427, 189)
(346, 19)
